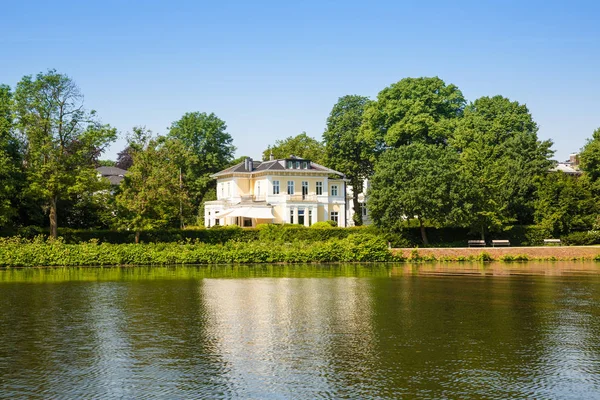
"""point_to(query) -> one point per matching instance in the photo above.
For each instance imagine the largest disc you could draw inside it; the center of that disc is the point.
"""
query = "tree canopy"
(500, 158)
(210, 150)
(300, 145)
(413, 110)
(62, 139)
(151, 195)
(414, 181)
(346, 150)
(590, 157)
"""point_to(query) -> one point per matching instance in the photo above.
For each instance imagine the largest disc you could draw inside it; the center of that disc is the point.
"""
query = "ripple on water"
(373, 336)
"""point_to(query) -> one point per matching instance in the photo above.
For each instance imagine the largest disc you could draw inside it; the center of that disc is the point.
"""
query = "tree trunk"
(53, 218)
(137, 237)
(357, 217)
(423, 233)
(482, 231)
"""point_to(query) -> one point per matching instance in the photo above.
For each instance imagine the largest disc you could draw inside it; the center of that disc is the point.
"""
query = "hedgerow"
(18, 252)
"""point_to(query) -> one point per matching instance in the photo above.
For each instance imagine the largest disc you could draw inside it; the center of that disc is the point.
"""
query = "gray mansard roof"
(275, 165)
(113, 174)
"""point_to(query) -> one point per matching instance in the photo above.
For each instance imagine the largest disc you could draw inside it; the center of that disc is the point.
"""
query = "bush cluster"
(587, 238)
(321, 231)
(18, 252)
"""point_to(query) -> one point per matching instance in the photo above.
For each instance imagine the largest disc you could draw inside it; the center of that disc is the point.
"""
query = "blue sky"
(273, 69)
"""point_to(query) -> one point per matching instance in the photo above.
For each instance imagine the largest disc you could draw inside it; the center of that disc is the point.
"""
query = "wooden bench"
(500, 242)
(552, 241)
(480, 243)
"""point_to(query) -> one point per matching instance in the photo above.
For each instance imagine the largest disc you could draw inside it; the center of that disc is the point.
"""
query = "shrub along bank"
(408, 237)
(16, 252)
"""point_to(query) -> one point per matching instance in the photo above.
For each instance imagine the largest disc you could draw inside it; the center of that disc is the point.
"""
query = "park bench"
(500, 242)
(552, 241)
(472, 243)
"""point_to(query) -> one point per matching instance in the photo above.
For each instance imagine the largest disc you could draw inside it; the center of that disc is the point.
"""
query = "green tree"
(589, 157)
(301, 145)
(500, 160)
(211, 150)
(412, 110)
(151, 195)
(105, 163)
(9, 158)
(63, 140)
(346, 150)
(565, 203)
(413, 181)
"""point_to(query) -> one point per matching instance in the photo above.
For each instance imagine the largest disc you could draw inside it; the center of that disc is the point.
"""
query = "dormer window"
(297, 164)
(304, 165)
(290, 164)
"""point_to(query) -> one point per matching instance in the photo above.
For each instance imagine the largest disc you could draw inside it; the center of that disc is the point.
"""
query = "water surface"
(318, 331)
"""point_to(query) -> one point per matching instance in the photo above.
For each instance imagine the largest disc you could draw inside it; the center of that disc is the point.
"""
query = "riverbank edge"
(58, 254)
(506, 254)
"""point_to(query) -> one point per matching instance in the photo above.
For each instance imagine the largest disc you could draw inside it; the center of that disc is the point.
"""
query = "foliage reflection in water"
(362, 331)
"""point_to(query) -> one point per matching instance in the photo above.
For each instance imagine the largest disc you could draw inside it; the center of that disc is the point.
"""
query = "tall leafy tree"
(63, 140)
(151, 196)
(415, 181)
(500, 159)
(211, 147)
(412, 110)
(9, 158)
(300, 145)
(590, 157)
(565, 203)
(124, 158)
(346, 150)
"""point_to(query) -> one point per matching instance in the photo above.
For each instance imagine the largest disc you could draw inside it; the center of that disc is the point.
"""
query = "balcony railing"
(252, 197)
(301, 197)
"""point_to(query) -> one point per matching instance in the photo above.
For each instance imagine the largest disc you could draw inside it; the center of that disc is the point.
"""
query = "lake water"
(327, 331)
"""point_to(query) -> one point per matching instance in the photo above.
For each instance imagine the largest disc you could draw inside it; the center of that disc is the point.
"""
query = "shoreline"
(507, 254)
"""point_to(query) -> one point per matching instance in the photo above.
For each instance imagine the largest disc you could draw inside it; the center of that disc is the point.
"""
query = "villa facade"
(291, 190)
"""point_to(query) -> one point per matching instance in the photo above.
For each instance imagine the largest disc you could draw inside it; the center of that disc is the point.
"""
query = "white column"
(295, 215)
(306, 211)
(342, 216)
(315, 214)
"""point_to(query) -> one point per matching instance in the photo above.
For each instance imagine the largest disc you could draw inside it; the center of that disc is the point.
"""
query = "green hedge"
(409, 237)
(17, 252)
(581, 238)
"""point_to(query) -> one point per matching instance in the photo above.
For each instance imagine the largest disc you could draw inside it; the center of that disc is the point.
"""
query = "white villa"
(291, 190)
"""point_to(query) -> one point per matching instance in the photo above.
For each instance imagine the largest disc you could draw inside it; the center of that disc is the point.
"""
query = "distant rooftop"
(113, 174)
(567, 168)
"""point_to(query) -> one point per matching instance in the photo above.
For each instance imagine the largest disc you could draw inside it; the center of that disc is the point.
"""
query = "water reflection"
(337, 331)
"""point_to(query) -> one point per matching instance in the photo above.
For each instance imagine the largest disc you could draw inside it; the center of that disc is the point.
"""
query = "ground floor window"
(291, 216)
(334, 216)
(301, 216)
(247, 222)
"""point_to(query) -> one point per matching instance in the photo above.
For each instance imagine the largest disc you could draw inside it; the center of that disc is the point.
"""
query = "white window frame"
(335, 216)
(290, 185)
(305, 185)
(275, 187)
(334, 190)
(319, 188)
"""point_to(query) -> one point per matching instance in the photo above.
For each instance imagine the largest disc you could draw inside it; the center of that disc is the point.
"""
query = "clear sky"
(273, 69)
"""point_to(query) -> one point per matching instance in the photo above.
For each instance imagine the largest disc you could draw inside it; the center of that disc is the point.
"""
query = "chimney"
(249, 164)
(246, 164)
(271, 157)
